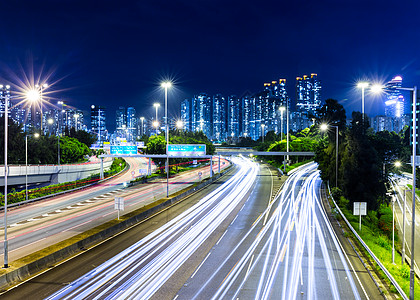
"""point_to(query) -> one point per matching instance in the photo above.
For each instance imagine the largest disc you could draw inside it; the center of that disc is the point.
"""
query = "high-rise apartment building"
(394, 104)
(219, 117)
(131, 124)
(120, 122)
(98, 122)
(308, 94)
(202, 114)
(186, 117)
(233, 116)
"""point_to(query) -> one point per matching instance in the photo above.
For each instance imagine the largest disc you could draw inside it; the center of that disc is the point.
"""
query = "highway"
(239, 239)
(38, 225)
(399, 184)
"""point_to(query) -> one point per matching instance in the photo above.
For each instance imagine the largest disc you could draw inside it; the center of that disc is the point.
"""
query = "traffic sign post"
(199, 176)
(359, 209)
(119, 205)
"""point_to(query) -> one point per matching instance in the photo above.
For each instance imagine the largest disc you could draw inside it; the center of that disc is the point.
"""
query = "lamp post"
(76, 117)
(156, 105)
(282, 109)
(41, 87)
(166, 85)
(262, 132)
(378, 88)
(6, 93)
(363, 86)
(179, 124)
(142, 127)
(393, 230)
(324, 127)
(36, 135)
(287, 130)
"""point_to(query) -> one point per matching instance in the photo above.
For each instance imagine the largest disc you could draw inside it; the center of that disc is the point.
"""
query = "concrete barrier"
(30, 265)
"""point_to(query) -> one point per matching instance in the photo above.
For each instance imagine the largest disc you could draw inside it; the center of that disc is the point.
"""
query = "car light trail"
(139, 271)
(280, 255)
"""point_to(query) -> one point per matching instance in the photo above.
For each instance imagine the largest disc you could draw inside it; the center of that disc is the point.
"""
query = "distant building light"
(390, 102)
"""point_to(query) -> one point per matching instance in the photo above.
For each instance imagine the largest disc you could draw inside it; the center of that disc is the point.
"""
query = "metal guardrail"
(385, 270)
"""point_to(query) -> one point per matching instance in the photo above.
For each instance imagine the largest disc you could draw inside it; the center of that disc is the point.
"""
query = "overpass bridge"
(248, 151)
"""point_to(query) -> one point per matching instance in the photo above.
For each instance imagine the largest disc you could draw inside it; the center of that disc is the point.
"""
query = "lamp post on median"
(41, 88)
(166, 85)
(324, 127)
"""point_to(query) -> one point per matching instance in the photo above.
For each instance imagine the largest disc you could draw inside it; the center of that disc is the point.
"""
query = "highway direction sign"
(185, 150)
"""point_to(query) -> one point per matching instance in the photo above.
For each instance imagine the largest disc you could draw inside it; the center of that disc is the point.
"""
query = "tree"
(82, 136)
(360, 168)
(16, 142)
(157, 145)
(72, 150)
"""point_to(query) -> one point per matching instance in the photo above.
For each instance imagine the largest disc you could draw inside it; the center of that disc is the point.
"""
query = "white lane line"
(234, 220)
(221, 238)
(192, 276)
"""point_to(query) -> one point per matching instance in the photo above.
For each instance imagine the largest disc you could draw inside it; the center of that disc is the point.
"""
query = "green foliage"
(385, 220)
(118, 165)
(16, 143)
(72, 150)
(82, 136)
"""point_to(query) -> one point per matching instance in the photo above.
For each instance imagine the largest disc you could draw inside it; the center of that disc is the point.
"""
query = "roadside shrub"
(383, 242)
(385, 220)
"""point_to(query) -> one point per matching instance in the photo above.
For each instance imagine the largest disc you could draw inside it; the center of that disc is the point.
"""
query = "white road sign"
(359, 208)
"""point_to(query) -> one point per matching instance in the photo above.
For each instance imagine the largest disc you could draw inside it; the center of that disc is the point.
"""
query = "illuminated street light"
(282, 109)
(166, 85)
(324, 127)
(156, 105)
(363, 86)
(33, 95)
(263, 126)
(142, 127)
(36, 135)
(179, 124)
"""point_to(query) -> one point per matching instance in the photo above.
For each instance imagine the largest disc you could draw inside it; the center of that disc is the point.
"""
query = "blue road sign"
(185, 149)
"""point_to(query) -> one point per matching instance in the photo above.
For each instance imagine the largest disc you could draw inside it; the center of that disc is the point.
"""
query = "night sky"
(116, 53)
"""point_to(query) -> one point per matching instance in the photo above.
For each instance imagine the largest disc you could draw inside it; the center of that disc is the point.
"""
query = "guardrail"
(385, 270)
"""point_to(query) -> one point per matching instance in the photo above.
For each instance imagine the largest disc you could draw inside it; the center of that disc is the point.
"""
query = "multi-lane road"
(38, 225)
(242, 238)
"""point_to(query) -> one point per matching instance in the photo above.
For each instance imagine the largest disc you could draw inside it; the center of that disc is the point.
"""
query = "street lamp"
(36, 135)
(379, 88)
(363, 85)
(142, 128)
(282, 109)
(76, 117)
(179, 124)
(262, 133)
(166, 85)
(156, 105)
(41, 87)
(6, 93)
(324, 127)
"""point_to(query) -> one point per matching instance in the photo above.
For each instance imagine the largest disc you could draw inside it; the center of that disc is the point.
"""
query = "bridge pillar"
(102, 168)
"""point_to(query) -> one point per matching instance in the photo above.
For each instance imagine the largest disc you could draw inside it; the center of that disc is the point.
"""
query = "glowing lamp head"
(323, 127)
(282, 108)
(50, 121)
(362, 85)
(156, 104)
(141, 118)
(32, 95)
(397, 164)
(36, 135)
(179, 124)
(166, 84)
(45, 85)
(155, 124)
(376, 88)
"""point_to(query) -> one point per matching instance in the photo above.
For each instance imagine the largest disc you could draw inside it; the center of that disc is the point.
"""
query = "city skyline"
(106, 55)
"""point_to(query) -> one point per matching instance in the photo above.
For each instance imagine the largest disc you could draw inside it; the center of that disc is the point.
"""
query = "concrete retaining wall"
(14, 276)
(52, 173)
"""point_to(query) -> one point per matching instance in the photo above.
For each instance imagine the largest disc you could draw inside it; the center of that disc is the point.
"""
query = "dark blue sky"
(116, 53)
